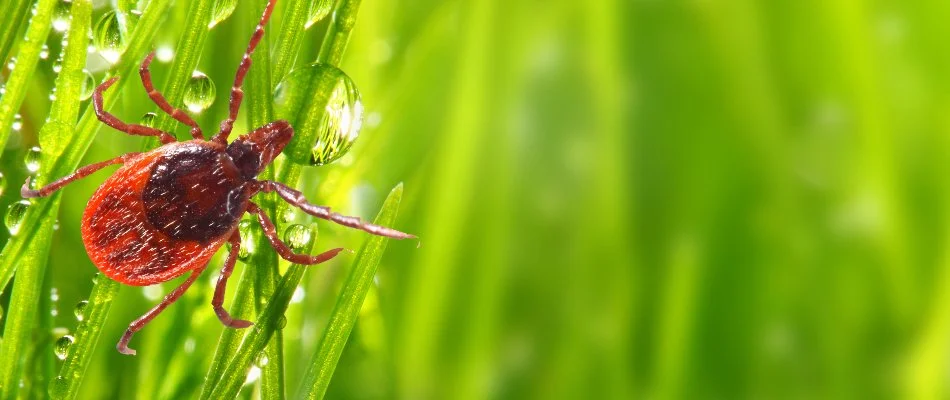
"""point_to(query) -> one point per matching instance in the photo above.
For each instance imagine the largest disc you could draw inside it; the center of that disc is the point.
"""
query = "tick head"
(254, 151)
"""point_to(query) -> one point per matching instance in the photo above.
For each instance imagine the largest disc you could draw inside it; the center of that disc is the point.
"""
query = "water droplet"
(54, 294)
(62, 346)
(17, 122)
(150, 119)
(61, 16)
(1, 313)
(32, 159)
(44, 52)
(263, 360)
(287, 214)
(298, 296)
(11, 64)
(253, 374)
(199, 92)
(3, 183)
(319, 9)
(57, 65)
(324, 107)
(222, 10)
(164, 53)
(248, 236)
(190, 345)
(81, 309)
(15, 213)
(107, 36)
(282, 322)
(298, 237)
(95, 278)
(88, 85)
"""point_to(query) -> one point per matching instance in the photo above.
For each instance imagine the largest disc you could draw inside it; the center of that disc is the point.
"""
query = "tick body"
(165, 212)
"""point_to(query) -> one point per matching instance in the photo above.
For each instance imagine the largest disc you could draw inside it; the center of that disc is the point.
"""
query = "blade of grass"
(187, 53)
(269, 321)
(27, 287)
(17, 11)
(348, 305)
(27, 58)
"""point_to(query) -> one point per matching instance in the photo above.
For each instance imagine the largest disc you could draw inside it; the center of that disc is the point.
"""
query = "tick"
(165, 212)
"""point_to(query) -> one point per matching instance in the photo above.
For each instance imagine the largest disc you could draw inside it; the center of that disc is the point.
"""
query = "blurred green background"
(615, 199)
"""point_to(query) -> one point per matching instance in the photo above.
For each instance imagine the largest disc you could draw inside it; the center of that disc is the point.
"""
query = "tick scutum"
(194, 192)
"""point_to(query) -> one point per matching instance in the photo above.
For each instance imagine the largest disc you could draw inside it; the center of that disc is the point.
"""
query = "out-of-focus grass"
(615, 199)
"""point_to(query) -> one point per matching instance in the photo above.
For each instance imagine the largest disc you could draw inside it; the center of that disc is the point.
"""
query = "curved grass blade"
(269, 320)
(17, 11)
(348, 306)
(27, 58)
(27, 287)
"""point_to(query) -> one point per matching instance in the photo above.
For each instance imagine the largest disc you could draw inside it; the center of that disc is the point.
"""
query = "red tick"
(165, 212)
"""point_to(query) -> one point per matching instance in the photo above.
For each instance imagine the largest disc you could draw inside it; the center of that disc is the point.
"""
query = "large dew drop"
(222, 10)
(199, 92)
(324, 107)
(32, 159)
(80, 310)
(107, 37)
(15, 214)
(319, 9)
(62, 345)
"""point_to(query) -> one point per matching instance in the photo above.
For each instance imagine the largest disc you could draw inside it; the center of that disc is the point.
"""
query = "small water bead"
(319, 9)
(199, 92)
(17, 122)
(58, 65)
(61, 16)
(323, 105)
(14, 217)
(107, 37)
(11, 64)
(80, 310)
(298, 237)
(3, 183)
(248, 240)
(150, 119)
(44, 52)
(281, 322)
(164, 53)
(32, 159)
(222, 10)
(62, 345)
(88, 85)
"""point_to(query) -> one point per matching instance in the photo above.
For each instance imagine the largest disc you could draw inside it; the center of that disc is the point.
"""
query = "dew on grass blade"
(199, 92)
(107, 37)
(14, 217)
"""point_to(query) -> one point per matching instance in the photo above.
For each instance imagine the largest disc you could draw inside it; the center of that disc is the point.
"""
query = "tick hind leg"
(137, 325)
(218, 301)
(83, 172)
(163, 104)
(282, 249)
(117, 124)
(296, 198)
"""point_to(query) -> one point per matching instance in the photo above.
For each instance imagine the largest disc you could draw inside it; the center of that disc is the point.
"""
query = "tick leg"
(282, 249)
(162, 103)
(111, 120)
(296, 198)
(218, 301)
(237, 95)
(135, 326)
(83, 172)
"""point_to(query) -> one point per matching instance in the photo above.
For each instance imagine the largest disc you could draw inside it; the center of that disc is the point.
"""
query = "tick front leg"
(218, 301)
(296, 198)
(83, 172)
(163, 104)
(137, 325)
(282, 249)
(117, 124)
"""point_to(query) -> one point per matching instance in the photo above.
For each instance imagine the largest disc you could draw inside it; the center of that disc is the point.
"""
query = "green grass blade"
(187, 53)
(31, 269)
(27, 58)
(16, 12)
(348, 305)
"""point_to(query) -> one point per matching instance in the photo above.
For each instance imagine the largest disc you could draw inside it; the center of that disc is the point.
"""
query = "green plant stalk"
(348, 305)
(27, 58)
(344, 19)
(187, 53)
(21, 316)
(30, 272)
(17, 12)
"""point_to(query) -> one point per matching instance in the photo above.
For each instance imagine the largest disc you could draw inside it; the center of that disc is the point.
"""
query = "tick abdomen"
(194, 193)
